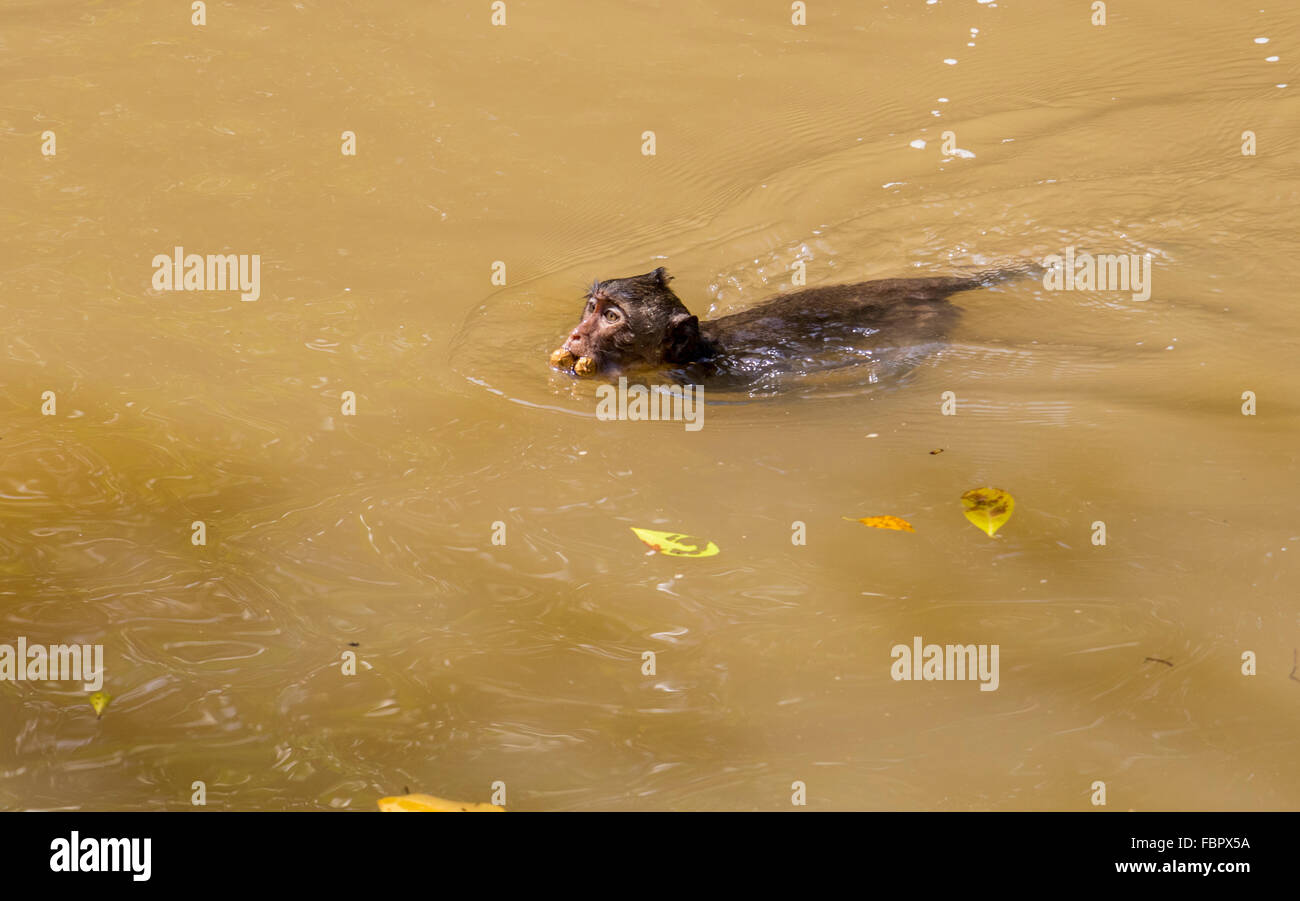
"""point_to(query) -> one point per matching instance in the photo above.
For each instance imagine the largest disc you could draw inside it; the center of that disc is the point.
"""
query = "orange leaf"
(418, 803)
(884, 522)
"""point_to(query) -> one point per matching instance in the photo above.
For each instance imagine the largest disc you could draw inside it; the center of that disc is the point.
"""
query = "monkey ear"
(682, 339)
(662, 277)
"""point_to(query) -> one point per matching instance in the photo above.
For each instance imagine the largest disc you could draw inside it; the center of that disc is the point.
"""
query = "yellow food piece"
(418, 803)
(584, 366)
(562, 359)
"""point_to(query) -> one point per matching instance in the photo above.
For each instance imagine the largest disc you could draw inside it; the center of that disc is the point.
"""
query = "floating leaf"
(675, 544)
(937, 450)
(884, 522)
(418, 803)
(988, 508)
(99, 700)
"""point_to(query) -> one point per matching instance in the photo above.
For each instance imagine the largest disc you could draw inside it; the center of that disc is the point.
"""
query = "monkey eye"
(591, 305)
(613, 315)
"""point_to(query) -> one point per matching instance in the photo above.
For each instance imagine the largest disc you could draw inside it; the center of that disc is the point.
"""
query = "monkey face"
(630, 322)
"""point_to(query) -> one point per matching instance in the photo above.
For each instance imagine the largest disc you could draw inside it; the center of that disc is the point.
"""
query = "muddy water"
(522, 663)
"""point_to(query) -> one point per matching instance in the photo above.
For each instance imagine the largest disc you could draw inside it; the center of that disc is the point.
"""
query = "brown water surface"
(522, 663)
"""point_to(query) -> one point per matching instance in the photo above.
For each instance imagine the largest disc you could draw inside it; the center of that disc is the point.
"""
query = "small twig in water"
(1158, 660)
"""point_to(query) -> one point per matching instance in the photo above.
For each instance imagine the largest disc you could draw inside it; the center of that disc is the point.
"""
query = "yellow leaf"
(884, 522)
(418, 803)
(675, 544)
(99, 700)
(988, 508)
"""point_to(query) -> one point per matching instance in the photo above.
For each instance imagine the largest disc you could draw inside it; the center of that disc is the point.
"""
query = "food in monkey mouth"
(563, 359)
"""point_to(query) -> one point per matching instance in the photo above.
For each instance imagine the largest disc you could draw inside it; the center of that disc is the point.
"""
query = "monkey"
(639, 322)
